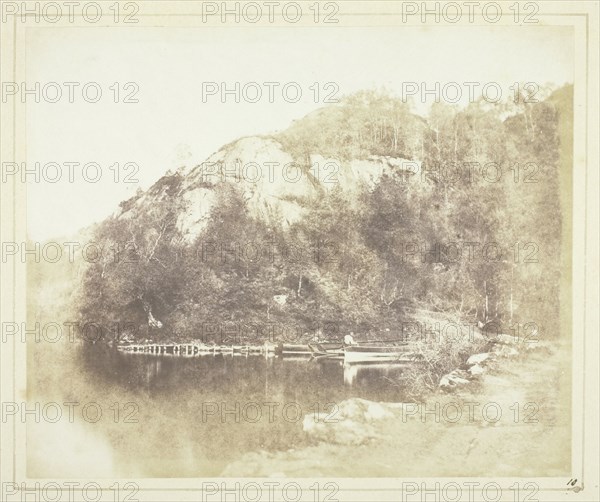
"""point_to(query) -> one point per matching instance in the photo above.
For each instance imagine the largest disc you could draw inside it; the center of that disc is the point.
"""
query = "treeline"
(476, 234)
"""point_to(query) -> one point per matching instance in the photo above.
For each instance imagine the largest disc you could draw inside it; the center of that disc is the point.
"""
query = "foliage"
(356, 264)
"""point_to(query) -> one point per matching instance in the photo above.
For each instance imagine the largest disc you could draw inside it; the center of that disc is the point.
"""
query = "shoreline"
(515, 421)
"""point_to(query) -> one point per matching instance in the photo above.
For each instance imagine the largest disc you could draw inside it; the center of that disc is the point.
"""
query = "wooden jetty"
(196, 349)
(356, 354)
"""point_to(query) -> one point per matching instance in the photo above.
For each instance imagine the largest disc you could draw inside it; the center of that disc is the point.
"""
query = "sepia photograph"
(299, 251)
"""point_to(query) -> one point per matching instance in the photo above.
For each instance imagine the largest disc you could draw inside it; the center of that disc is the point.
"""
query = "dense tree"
(489, 185)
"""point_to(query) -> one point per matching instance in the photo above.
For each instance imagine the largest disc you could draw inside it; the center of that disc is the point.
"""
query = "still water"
(166, 416)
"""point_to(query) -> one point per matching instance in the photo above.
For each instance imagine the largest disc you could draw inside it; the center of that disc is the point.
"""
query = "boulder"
(476, 370)
(350, 424)
(505, 351)
(363, 410)
(478, 358)
(506, 339)
(280, 299)
(453, 380)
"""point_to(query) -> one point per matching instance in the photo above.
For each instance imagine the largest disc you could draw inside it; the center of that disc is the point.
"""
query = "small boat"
(326, 349)
(292, 350)
(374, 354)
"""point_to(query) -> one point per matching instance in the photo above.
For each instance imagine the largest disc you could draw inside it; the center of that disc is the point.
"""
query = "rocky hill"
(362, 178)
(279, 176)
(274, 187)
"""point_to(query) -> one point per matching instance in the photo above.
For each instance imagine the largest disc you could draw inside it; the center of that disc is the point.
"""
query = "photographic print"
(318, 251)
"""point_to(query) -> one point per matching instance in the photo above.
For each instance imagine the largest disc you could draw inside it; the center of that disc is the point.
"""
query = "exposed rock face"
(276, 189)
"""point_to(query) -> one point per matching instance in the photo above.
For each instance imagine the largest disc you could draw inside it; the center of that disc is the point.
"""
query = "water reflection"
(384, 373)
(226, 375)
(350, 373)
(196, 415)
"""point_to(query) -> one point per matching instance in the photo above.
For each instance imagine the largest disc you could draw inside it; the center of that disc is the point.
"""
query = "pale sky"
(170, 64)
